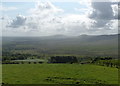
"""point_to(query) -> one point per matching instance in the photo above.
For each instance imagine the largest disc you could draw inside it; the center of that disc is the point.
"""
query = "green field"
(58, 74)
(0, 73)
(29, 60)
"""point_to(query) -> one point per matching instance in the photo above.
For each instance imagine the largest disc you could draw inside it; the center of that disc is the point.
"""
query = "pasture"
(58, 74)
(0, 73)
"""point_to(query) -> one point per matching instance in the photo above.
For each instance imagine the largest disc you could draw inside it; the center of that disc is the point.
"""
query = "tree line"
(106, 61)
(63, 59)
(17, 56)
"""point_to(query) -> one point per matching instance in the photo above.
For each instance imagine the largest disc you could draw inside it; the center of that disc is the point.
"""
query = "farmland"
(0, 73)
(59, 74)
(60, 60)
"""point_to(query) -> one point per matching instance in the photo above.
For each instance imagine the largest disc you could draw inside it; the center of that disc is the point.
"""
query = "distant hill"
(86, 45)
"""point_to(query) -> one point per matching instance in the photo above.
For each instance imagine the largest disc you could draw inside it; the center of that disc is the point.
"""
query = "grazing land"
(59, 74)
(60, 60)
(0, 73)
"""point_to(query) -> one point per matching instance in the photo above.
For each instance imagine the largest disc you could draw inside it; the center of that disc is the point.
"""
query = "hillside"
(84, 45)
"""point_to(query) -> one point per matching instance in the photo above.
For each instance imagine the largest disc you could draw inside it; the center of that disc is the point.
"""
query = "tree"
(63, 59)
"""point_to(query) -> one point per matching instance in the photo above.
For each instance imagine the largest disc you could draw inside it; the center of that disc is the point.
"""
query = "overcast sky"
(63, 18)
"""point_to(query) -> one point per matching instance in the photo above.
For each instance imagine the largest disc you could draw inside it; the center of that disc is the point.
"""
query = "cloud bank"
(46, 19)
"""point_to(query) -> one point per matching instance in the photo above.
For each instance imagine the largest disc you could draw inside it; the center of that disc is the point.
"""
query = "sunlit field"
(58, 74)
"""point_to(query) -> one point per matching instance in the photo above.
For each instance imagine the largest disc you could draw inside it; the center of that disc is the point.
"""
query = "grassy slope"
(58, 73)
(0, 73)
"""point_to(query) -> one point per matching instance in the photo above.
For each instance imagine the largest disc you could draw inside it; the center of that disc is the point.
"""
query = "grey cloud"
(119, 11)
(19, 21)
(102, 10)
(100, 23)
(103, 13)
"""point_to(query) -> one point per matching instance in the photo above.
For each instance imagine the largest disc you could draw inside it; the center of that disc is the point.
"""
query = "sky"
(45, 18)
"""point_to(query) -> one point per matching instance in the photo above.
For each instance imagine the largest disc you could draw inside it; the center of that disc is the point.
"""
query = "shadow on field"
(75, 81)
(60, 85)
